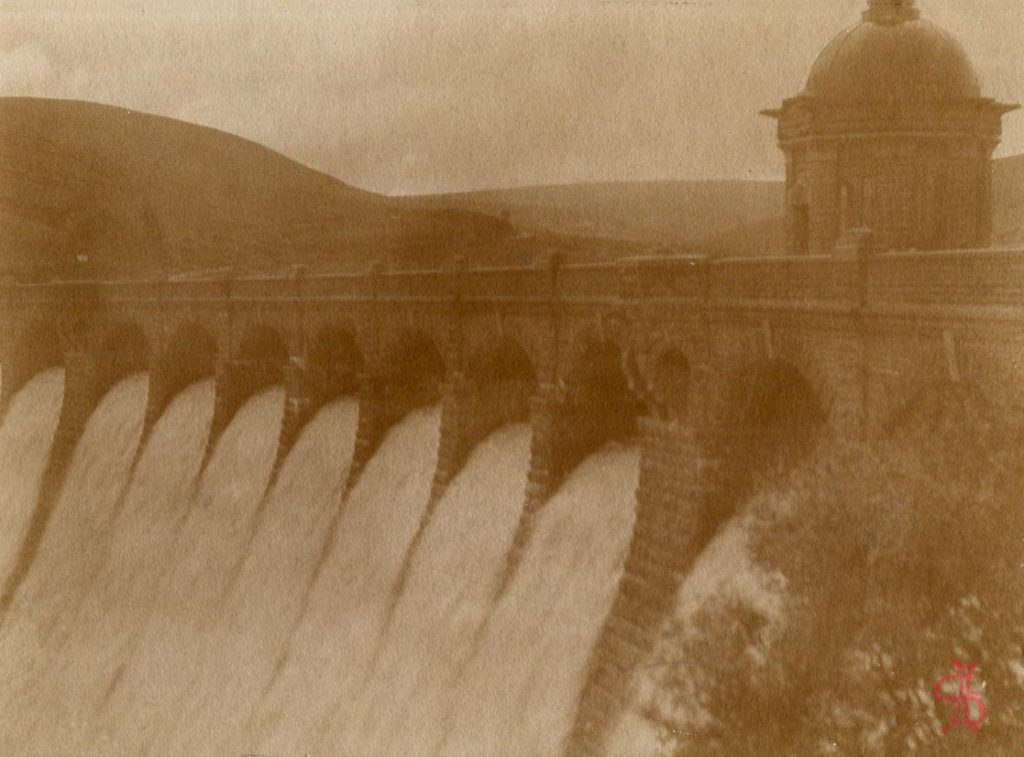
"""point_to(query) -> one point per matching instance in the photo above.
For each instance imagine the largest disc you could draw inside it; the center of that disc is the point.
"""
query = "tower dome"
(891, 132)
(893, 57)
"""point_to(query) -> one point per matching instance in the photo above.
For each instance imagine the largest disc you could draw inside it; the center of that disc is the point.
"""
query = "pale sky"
(402, 96)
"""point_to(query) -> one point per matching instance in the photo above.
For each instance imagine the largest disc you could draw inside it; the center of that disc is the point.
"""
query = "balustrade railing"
(991, 278)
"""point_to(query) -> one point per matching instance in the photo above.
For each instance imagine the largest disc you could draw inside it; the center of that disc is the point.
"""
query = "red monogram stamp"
(969, 708)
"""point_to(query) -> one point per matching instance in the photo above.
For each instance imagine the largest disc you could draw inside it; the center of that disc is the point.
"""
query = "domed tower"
(890, 133)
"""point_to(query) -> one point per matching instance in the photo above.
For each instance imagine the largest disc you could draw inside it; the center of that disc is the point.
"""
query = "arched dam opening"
(391, 551)
(473, 528)
(185, 598)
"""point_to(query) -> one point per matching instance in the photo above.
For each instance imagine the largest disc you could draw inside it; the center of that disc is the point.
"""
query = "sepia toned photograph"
(511, 378)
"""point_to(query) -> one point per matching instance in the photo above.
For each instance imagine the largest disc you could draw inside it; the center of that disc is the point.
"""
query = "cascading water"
(453, 579)
(726, 570)
(184, 610)
(210, 617)
(25, 439)
(262, 606)
(519, 692)
(73, 548)
(329, 655)
(115, 606)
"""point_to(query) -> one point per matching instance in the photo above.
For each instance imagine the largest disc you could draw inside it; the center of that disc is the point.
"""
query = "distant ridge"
(680, 215)
(729, 218)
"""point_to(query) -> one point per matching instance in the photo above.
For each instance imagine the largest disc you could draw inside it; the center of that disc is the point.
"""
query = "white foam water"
(115, 607)
(453, 579)
(25, 439)
(73, 547)
(519, 693)
(184, 610)
(262, 605)
(188, 614)
(328, 657)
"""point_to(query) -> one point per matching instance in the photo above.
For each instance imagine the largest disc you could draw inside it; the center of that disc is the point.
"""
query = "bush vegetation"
(898, 555)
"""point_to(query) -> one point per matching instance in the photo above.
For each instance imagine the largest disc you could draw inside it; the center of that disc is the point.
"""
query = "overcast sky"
(404, 96)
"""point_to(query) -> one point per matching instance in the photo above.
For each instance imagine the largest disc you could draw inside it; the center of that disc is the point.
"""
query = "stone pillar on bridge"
(381, 405)
(678, 508)
(301, 401)
(469, 412)
(236, 381)
(87, 377)
(565, 430)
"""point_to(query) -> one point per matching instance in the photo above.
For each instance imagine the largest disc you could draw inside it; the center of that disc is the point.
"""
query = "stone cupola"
(891, 133)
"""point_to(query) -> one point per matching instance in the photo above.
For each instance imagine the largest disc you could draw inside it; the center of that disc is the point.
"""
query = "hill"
(89, 189)
(712, 218)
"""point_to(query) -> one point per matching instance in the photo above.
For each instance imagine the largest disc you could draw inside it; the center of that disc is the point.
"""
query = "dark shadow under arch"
(190, 356)
(36, 349)
(263, 351)
(597, 406)
(775, 419)
(500, 360)
(333, 364)
(411, 371)
(781, 398)
(121, 350)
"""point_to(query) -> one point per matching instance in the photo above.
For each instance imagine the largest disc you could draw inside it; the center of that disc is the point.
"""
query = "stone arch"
(780, 396)
(35, 349)
(333, 363)
(411, 367)
(500, 360)
(189, 355)
(771, 418)
(121, 348)
(596, 404)
(257, 362)
(494, 389)
(262, 350)
(956, 434)
(595, 374)
(407, 374)
(939, 403)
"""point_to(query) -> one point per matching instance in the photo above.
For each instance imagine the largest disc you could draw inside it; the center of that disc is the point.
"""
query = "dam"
(431, 471)
(660, 504)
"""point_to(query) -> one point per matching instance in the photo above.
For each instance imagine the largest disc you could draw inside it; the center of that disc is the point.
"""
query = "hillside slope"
(89, 189)
(711, 217)
(674, 214)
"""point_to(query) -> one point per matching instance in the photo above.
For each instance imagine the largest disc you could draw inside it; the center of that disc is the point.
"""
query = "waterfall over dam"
(180, 608)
